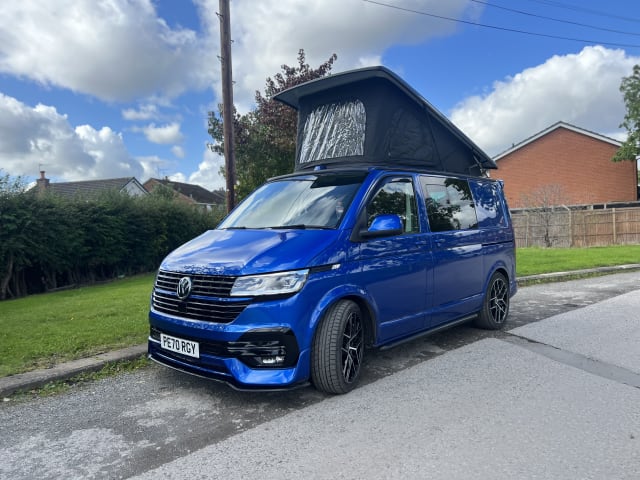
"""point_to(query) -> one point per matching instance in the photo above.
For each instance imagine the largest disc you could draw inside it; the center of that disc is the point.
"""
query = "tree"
(541, 205)
(630, 88)
(13, 221)
(11, 185)
(265, 137)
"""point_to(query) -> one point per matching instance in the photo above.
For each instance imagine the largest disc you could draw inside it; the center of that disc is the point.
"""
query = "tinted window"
(488, 204)
(395, 196)
(308, 201)
(449, 204)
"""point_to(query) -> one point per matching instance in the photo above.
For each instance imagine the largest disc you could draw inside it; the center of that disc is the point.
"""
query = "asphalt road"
(464, 403)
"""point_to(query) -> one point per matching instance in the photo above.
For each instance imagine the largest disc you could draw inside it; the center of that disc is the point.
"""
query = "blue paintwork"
(246, 252)
(385, 223)
(406, 284)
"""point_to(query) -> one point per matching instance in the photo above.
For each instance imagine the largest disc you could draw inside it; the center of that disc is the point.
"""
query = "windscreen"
(302, 202)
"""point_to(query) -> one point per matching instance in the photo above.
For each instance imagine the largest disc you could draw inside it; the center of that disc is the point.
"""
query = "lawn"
(532, 261)
(42, 330)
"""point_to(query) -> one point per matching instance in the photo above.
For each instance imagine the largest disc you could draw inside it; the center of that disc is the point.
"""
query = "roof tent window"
(334, 130)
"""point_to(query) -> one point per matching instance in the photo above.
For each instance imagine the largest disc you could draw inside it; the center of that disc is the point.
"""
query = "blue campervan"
(389, 228)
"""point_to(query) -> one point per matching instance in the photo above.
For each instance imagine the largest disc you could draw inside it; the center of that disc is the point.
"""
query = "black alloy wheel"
(338, 349)
(495, 308)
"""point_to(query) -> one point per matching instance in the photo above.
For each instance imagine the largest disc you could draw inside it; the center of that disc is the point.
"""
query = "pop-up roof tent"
(370, 116)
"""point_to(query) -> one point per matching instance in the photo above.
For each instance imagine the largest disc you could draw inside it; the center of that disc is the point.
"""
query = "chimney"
(42, 182)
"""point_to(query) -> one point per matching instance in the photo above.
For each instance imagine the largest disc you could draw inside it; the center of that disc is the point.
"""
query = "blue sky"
(92, 90)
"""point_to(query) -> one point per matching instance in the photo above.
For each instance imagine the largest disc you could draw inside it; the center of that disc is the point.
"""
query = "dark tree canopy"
(265, 137)
(630, 88)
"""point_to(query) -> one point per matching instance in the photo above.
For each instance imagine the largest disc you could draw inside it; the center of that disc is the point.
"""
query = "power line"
(504, 29)
(577, 8)
(522, 12)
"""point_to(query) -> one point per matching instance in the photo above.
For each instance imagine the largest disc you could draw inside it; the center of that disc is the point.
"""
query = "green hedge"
(48, 242)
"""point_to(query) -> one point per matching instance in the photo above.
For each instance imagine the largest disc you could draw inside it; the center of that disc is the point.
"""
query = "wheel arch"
(370, 330)
(501, 268)
(360, 298)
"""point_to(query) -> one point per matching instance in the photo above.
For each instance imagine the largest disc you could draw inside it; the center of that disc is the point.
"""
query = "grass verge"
(61, 386)
(42, 330)
(534, 261)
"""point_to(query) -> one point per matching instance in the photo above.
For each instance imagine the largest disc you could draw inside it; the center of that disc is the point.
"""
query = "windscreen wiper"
(297, 226)
(301, 226)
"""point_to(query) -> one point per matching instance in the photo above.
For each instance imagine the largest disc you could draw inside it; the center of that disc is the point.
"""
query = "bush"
(48, 242)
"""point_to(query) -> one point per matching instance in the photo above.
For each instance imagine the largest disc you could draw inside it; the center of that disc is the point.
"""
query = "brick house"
(574, 161)
(191, 194)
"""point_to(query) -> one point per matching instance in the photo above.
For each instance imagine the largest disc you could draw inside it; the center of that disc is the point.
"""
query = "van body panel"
(246, 252)
(407, 283)
(394, 272)
(456, 289)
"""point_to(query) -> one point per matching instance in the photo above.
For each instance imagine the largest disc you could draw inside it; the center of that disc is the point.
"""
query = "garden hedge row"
(48, 242)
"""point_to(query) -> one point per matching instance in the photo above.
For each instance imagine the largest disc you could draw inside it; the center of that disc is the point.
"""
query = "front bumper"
(259, 359)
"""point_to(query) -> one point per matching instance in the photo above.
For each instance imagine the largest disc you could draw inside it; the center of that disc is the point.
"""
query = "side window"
(488, 204)
(396, 196)
(449, 204)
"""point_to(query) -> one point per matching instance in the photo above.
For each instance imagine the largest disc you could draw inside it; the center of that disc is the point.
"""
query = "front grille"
(202, 285)
(209, 300)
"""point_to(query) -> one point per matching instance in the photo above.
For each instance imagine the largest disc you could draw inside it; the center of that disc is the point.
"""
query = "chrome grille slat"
(210, 299)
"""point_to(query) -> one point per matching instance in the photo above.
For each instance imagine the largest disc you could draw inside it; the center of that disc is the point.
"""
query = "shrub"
(48, 242)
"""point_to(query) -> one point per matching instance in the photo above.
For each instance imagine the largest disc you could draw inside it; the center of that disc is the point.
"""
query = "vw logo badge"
(184, 288)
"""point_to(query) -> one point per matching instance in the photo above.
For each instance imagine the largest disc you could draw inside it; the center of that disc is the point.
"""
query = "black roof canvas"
(370, 116)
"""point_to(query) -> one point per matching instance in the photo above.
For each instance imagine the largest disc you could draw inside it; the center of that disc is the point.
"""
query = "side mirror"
(385, 225)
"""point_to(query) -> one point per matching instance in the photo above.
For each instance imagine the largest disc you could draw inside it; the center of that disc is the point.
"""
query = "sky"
(96, 89)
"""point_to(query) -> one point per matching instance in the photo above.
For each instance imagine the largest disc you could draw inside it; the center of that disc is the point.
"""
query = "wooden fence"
(563, 227)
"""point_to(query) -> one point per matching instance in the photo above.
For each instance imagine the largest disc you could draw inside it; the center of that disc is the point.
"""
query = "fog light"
(266, 348)
(271, 361)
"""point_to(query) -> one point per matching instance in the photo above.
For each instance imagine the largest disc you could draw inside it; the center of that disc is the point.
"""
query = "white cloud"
(269, 33)
(208, 174)
(164, 134)
(38, 138)
(153, 167)
(369, 61)
(145, 112)
(116, 50)
(177, 151)
(581, 89)
(122, 50)
(178, 177)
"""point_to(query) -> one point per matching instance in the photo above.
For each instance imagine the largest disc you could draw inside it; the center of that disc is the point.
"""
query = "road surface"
(556, 395)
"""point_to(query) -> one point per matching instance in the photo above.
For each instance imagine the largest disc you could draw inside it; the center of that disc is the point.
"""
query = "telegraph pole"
(227, 102)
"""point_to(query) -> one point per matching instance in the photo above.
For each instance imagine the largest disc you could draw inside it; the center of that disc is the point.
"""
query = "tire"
(338, 349)
(495, 307)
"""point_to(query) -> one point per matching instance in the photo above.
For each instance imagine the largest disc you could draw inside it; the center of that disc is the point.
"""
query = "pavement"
(63, 371)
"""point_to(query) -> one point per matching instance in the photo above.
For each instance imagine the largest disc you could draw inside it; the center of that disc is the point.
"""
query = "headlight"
(269, 284)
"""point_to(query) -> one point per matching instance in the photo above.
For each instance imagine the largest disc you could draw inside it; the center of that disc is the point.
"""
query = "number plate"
(179, 345)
